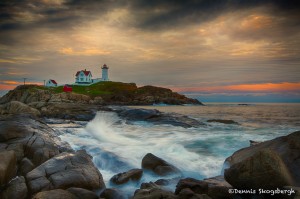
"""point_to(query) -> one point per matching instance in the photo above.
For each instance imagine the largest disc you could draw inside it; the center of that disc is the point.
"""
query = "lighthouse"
(105, 73)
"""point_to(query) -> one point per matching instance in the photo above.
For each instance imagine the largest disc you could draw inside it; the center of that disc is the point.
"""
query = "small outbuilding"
(67, 88)
(51, 83)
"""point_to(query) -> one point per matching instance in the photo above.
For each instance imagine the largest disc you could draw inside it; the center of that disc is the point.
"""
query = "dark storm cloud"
(172, 13)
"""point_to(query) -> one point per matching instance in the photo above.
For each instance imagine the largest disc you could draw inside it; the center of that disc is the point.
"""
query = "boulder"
(133, 175)
(158, 165)
(64, 171)
(280, 159)
(54, 194)
(264, 169)
(187, 193)
(222, 121)
(82, 193)
(112, 194)
(15, 107)
(8, 166)
(16, 189)
(215, 188)
(153, 193)
(25, 166)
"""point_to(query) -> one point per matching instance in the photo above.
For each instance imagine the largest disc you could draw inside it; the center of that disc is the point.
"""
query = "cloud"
(85, 52)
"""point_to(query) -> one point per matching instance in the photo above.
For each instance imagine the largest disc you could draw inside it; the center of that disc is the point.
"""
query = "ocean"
(118, 146)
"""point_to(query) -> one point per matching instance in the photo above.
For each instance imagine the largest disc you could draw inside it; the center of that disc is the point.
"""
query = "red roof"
(104, 66)
(53, 81)
(85, 72)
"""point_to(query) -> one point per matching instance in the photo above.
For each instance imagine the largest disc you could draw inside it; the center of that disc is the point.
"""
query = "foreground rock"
(64, 171)
(159, 166)
(156, 117)
(133, 175)
(16, 189)
(113, 194)
(268, 165)
(8, 166)
(153, 193)
(215, 188)
(55, 194)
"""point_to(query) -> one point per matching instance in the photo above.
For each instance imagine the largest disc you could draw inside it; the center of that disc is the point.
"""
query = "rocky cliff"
(104, 93)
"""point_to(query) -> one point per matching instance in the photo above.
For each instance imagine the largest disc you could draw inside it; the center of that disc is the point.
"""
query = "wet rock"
(16, 189)
(153, 193)
(112, 194)
(156, 117)
(64, 171)
(187, 193)
(8, 166)
(278, 158)
(133, 175)
(25, 166)
(222, 121)
(215, 188)
(54, 194)
(158, 165)
(82, 193)
(15, 107)
(197, 186)
(252, 142)
(264, 169)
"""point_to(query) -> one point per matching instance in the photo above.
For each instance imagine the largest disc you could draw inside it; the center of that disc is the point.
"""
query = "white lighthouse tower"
(105, 73)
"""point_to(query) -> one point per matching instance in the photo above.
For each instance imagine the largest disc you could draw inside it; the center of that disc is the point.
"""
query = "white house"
(51, 83)
(83, 77)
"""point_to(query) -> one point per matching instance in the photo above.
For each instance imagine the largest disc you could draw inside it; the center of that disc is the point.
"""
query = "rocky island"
(36, 163)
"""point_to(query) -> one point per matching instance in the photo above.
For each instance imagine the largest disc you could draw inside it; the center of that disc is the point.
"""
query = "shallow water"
(117, 146)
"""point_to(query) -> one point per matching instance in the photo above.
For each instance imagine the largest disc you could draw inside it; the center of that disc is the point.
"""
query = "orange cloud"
(10, 84)
(86, 52)
(265, 87)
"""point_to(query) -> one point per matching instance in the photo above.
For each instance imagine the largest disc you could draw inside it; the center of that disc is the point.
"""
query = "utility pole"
(24, 80)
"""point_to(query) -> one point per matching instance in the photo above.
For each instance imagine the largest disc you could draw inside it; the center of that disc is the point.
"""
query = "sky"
(215, 50)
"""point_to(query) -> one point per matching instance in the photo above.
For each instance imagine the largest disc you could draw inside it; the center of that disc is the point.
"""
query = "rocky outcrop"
(131, 175)
(8, 166)
(116, 93)
(82, 193)
(15, 107)
(112, 194)
(159, 166)
(215, 188)
(64, 171)
(153, 193)
(222, 121)
(269, 164)
(54, 194)
(16, 189)
(156, 117)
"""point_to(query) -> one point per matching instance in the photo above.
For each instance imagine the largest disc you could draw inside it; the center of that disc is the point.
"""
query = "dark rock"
(25, 166)
(149, 185)
(158, 165)
(153, 193)
(222, 121)
(280, 159)
(15, 107)
(54, 194)
(64, 171)
(112, 194)
(133, 175)
(16, 189)
(8, 166)
(82, 193)
(156, 117)
(197, 186)
(187, 193)
(265, 169)
(216, 188)
(252, 143)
